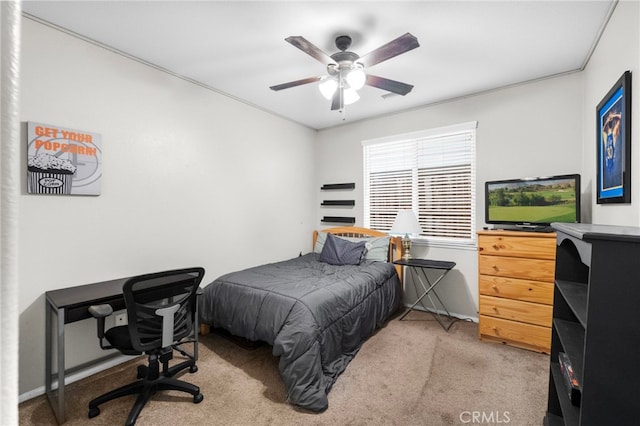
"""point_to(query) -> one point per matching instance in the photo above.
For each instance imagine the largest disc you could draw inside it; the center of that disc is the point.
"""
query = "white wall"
(617, 52)
(528, 130)
(190, 177)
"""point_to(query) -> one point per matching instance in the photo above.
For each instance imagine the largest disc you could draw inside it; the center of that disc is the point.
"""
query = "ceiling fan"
(346, 70)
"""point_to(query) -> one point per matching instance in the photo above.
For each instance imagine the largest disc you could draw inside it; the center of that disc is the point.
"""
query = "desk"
(417, 269)
(69, 305)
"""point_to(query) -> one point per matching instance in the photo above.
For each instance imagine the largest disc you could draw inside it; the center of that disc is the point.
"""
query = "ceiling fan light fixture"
(356, 77)
(328, 87)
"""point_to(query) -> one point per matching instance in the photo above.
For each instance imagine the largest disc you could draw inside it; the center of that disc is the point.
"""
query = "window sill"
(443, 244)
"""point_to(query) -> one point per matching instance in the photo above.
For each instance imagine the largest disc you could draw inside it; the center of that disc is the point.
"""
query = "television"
(533, 203)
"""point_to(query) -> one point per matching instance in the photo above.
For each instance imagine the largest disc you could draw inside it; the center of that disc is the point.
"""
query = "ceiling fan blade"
(402, 44)
(295, 83)
(310, 49)
(388, 85)
(337, 103)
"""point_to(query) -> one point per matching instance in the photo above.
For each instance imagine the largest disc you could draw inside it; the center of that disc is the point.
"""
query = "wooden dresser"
(516, 276)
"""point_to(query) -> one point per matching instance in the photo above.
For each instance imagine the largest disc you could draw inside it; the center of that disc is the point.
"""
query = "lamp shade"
(406, 223)
(350, 96)
(356, 77)
(328, 87)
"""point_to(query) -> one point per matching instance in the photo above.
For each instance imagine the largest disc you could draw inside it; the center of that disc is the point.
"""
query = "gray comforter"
(315, 315)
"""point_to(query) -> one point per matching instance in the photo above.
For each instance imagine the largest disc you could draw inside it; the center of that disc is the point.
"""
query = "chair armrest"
(100, 311)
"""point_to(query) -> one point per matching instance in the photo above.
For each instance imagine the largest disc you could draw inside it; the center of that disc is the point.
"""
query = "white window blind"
(431, 172)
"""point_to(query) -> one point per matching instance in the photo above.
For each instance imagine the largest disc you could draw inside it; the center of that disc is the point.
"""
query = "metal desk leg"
(427, 292)
(57, 401)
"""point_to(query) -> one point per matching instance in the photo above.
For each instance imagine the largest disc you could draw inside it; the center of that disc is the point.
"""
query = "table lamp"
(406, 223)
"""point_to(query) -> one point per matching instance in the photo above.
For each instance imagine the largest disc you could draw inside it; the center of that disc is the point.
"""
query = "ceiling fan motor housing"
(344, 61)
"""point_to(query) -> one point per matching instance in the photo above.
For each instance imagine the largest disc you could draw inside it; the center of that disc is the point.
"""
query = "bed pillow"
(337, 251)
(322, 237)
(377, 247)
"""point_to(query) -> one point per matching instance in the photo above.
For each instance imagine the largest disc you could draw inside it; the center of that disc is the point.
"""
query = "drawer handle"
(495, 268)
(495, 287)
(494, 308)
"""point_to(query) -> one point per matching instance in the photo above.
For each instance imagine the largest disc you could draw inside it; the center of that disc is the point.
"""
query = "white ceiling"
(238, 47)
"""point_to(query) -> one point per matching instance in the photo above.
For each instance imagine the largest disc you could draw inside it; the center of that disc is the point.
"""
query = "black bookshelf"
(596, 297)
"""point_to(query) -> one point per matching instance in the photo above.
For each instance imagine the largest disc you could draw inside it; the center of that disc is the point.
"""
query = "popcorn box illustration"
(50, 175)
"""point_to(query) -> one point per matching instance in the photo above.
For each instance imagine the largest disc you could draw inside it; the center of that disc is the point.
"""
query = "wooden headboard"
(395, 243)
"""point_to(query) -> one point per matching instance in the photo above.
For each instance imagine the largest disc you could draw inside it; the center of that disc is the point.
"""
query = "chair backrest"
(161, 307)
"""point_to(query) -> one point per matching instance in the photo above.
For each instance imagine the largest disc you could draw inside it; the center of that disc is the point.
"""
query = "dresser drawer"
(528, 336)
(516, 310)
(515, 288)
(532, 269)
(529, 247)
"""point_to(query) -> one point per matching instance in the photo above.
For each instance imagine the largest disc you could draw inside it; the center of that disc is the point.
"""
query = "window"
(431, 172)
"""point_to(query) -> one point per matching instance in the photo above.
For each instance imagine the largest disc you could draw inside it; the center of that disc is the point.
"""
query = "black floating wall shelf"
(330, 186)
(338, 203)
(339, 219)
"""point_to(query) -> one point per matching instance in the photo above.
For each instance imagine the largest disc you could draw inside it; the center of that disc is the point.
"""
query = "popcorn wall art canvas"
(63, 161)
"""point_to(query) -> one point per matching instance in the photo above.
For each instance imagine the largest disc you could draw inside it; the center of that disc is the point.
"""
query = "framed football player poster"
(613, 134)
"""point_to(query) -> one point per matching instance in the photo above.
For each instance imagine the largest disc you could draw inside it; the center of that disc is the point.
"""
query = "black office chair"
(161, 313)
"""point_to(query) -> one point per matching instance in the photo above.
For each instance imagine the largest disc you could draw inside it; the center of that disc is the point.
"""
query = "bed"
(314, 311)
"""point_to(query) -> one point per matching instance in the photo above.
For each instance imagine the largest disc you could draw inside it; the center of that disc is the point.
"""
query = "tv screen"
(533, 201)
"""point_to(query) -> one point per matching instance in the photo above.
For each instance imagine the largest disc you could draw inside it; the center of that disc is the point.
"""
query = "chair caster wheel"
(93, 412)
(193, 369)
(198, 398)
